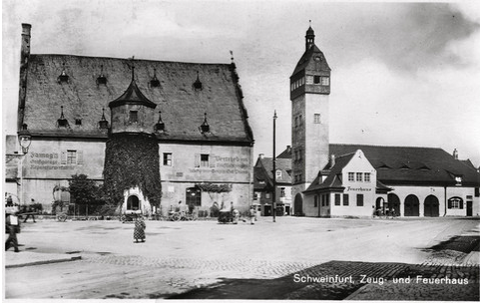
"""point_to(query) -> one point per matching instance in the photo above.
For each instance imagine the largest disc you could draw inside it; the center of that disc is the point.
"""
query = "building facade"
(263, 184)
(73, 105)
(332, 180)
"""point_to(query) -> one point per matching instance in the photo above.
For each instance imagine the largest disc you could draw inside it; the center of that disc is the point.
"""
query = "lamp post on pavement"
(24, 139)
(274, 210)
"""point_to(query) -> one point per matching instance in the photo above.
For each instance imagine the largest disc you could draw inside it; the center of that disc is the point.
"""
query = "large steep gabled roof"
(182, 106)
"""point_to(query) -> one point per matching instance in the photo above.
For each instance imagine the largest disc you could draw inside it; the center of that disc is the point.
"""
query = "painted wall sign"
(349, 188)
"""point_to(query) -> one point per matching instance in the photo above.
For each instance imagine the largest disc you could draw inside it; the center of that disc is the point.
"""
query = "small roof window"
(62, 121)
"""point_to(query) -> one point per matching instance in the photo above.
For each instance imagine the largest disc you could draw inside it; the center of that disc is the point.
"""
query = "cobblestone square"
(294, 258)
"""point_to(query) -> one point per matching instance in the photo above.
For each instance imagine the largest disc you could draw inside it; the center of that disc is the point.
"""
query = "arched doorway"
(133, 203)
(394, 203)
(298, 207)
(412, 208)
(431, 207)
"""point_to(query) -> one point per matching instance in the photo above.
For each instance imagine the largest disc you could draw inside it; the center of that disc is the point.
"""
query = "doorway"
(431, 207)
(298, 205)
(412, 206)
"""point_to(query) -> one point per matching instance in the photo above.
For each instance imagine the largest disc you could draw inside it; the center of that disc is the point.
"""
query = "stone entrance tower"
(309, 93)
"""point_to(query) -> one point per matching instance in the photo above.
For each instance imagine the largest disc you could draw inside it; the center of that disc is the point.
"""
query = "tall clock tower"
(309, 93)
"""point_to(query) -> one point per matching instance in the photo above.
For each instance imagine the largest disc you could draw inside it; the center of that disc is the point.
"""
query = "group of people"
(140, 226)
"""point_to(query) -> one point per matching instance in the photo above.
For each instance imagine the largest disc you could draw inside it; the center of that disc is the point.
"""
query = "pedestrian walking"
(30, 213)
(12, 227)
(139, 230)
(253, 215)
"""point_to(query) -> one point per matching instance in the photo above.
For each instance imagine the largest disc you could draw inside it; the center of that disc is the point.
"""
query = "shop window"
(359, 200)
(345, 199)
(167, 159)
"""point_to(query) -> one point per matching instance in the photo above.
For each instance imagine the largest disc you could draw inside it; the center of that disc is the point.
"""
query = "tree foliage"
(132, 160)
(83, 190)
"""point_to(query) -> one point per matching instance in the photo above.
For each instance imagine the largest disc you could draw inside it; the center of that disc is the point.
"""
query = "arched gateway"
(412, 208)
(431, 207)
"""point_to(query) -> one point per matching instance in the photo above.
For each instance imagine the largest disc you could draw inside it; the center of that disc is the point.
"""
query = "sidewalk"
(28, 258)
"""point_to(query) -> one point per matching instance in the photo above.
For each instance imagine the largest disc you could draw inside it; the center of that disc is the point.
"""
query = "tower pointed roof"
(132, 96)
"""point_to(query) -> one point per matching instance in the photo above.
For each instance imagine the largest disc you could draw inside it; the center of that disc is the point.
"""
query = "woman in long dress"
(139, 231)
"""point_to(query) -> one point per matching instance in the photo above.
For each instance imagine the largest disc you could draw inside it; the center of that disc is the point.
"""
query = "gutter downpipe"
(445, 201)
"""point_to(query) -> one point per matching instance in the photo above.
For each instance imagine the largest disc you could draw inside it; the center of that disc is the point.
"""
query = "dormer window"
(101, 79)
(62, 122)
(205, 128)
(78, 122)
(458, 180)
(198, 84)
(133, 116)
(103, 123)
(63, 78)
(154, 82)
(160, 126)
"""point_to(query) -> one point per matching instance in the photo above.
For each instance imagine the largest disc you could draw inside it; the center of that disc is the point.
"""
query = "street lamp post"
(274, 210)
(24, 139)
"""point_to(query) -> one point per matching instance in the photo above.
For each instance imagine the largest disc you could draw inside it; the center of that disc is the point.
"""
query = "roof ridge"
(387, 146)
(127, 59)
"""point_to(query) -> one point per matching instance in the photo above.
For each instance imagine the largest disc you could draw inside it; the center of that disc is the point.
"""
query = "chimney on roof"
(260, 156)
(455, 154)
(24, 58)
(332, 160)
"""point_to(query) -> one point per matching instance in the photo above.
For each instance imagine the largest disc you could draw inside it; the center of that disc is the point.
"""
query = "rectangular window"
(204, 160)
(351, 177)
(345, 199)
(282, 192)
(324, 81)
(167, 159)
(367, 177)
(71, 157)
(359, 200)
(316, 118)
(315, 201)
(316, 79)
(359, 177)
(133, 118)
(327, 200)
(337, 199)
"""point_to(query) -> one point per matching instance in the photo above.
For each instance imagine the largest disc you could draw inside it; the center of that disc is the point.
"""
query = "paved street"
(203, 259)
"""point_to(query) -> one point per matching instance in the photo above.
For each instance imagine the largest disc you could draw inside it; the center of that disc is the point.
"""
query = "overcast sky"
(403, 74)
